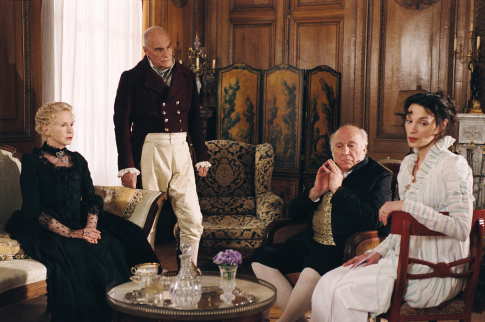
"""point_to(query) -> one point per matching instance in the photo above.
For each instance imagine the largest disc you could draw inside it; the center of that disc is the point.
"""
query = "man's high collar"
(357, 166)
(162, 72)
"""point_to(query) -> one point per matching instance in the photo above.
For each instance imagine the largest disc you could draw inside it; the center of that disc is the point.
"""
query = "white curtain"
(87, 44)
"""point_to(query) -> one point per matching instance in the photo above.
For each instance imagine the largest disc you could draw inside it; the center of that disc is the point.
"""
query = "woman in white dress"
(432, 180)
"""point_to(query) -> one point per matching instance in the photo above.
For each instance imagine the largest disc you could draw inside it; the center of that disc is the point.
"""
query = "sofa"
(22, 277)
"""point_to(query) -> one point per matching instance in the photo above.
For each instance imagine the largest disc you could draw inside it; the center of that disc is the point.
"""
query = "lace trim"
(128, 170)
(64, 155)
(55, 226)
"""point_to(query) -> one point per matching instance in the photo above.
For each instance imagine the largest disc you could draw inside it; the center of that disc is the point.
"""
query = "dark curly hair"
(440, 105)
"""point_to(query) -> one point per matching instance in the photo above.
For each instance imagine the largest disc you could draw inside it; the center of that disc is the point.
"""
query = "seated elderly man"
(345, 199)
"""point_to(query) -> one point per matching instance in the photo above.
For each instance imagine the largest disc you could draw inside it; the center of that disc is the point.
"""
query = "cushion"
(238, 227)
(131, 204)
(9, 248)
(227, 206)
(453, 306)
(19, 273)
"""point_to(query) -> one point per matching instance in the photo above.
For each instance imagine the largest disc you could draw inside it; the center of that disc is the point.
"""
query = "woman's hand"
(388, 208)
(372, 259)
(90, 234)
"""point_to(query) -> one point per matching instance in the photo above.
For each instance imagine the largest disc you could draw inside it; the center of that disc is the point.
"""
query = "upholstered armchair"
(235, 197)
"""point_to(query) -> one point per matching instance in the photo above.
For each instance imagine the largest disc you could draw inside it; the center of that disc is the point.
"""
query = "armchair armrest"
(360, 242)
(268, 206)
(141, 207)
(280, 230)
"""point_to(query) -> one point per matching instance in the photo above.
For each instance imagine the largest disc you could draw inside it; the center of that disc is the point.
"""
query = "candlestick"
(213, 64)
(454, 46)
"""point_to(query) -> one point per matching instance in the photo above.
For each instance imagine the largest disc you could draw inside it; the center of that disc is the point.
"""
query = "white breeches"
(166, 166)
(349, 295)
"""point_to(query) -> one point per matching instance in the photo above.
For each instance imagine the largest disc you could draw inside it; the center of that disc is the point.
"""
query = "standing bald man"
(156, 106)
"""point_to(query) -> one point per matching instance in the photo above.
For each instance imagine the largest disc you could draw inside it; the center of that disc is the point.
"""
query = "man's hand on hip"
(129, 180)
(202, 171)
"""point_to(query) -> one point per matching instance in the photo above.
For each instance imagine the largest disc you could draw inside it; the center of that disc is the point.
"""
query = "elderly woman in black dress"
(62, 224)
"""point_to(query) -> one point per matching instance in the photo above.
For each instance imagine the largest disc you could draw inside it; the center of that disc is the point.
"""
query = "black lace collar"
(52, 150)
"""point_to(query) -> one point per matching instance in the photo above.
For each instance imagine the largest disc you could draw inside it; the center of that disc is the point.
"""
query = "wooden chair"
(458, 308)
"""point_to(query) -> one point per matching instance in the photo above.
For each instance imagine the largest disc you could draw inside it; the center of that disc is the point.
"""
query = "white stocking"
(194, 251)
(301, 297)
(275, 277)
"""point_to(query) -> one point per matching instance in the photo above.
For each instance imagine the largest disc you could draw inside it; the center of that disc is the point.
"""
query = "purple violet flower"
(229, 257)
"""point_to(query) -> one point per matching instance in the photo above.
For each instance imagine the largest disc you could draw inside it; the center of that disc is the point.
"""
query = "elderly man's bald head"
(349, 146)
(157, 45)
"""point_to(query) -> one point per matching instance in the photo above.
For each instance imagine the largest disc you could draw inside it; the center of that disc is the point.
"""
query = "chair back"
(10, 195)
(239, 175)
(232, 170)
(393, 166)
(406, 225)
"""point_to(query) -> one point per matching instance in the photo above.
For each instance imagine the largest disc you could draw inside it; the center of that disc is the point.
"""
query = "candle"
(213, 64)
(197, 62)
(471, 26)
(454, 46)
(180, 61)
(478, 42)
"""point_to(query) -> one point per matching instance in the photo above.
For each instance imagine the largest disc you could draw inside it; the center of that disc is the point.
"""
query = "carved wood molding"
(179, 3)
(417, 4)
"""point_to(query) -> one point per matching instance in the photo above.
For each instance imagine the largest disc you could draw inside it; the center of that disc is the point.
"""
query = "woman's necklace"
(61, 156)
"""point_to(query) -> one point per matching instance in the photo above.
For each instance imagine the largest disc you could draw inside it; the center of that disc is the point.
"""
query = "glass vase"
(186, 289)
(228, 282)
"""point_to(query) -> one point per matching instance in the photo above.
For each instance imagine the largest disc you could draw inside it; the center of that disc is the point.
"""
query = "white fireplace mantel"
(471, 128)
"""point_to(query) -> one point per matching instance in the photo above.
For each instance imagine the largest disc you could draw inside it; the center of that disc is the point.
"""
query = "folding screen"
(292, 109)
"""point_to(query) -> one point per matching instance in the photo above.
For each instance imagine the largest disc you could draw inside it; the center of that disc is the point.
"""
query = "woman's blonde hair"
(47, 113)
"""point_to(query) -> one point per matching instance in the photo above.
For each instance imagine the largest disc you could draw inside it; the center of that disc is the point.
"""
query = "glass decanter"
(186, 288)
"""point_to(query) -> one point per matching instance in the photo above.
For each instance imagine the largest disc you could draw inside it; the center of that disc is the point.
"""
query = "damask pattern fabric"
(235, 197)
(232, 171)
(10, 248)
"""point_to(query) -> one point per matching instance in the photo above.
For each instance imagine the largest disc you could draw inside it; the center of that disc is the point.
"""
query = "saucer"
(137, 279)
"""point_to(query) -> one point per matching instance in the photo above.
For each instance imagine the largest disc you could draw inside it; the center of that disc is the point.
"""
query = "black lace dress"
(57, 200)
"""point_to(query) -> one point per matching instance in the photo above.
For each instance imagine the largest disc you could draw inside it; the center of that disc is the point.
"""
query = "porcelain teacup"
(145, 269)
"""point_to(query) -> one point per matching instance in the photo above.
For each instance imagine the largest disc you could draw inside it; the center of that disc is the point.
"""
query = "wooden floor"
(35, 309)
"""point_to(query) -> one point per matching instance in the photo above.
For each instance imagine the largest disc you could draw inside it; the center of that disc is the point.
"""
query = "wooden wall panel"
(380, 47)
(15, 74)
(410, 50)
(317, 43)
(252, 3)
(319, 4)
(20, 72)
(249, 32)
(254, 51)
